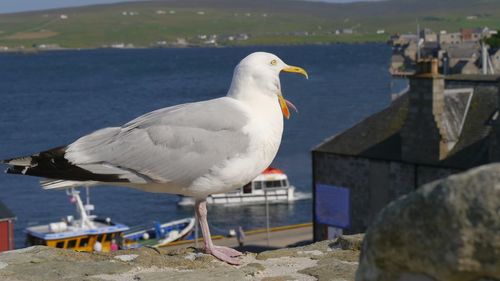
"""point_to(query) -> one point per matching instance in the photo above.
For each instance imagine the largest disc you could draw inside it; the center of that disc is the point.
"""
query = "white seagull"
(194, 149)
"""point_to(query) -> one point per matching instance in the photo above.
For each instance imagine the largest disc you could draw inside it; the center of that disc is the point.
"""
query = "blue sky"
(10, 6)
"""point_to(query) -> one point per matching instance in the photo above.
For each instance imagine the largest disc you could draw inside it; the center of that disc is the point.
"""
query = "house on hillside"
(428, 35)
(441, 126)
(462, 58)
(447, 39)
(6, 228)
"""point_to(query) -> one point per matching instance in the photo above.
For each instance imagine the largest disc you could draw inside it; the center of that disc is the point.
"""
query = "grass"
(265, 21)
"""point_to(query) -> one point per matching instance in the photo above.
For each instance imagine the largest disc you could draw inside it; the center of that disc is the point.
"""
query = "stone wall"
(327, 260)
(373, 184)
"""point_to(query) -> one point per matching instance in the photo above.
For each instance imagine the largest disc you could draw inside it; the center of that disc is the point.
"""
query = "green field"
(264, 21)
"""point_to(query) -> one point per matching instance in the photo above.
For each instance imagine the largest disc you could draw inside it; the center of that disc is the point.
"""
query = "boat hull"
(159, 235)
(282, 195)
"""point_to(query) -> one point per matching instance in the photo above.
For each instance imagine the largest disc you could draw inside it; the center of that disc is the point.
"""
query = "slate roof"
(462, 52)
(5, 213)
(379, 135)
(375, 137)
(460, 65)
(472, 147)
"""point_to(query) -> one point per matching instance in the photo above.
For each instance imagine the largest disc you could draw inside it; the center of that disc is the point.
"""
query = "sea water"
(50, 99)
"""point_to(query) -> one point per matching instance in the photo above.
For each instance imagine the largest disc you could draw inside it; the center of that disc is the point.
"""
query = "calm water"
(51, 99)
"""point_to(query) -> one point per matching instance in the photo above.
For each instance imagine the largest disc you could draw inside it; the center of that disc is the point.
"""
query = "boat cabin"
(64, 236)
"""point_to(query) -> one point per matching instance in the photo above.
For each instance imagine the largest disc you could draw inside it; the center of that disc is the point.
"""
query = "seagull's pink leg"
(228, 251)
(222, 253)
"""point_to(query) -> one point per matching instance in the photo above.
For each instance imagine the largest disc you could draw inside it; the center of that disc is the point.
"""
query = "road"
(256, 240)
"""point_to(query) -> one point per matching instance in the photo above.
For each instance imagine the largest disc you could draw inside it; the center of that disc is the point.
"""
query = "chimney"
(421, 137)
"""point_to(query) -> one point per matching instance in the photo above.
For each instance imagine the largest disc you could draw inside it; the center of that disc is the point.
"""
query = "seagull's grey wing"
(176, 144)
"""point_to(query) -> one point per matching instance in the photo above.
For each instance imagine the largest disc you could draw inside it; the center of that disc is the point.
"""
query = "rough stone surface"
(447, 230)
(326, 260)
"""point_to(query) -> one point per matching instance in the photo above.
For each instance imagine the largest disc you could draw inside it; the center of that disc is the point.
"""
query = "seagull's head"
(258, 73)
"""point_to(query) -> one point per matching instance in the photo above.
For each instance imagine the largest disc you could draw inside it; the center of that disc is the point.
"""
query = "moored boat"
(158, 234)
(271, 185)
(80, 234)
(90, 233)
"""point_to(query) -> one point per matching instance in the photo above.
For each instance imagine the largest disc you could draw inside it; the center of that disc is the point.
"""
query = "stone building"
(466, 67)
(462, 58)
(441, 126)
(428, 35)
(447, 39)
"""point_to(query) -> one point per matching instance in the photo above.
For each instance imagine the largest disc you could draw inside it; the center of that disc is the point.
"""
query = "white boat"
(272, 184)
(158, 235)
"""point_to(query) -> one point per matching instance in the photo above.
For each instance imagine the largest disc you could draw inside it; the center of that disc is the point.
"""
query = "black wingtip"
(17, 170)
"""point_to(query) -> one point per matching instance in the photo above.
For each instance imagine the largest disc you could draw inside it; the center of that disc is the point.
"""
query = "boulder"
(448, 230)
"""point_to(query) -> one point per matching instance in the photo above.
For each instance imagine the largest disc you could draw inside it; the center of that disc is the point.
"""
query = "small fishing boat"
(83, 233)
(80, 234)
(271, 185)
(159, 235)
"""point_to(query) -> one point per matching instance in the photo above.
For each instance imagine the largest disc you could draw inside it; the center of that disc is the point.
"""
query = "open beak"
(283, 102)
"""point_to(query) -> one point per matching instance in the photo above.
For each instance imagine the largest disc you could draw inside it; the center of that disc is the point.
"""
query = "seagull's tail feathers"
(53, 165)
(27, 165)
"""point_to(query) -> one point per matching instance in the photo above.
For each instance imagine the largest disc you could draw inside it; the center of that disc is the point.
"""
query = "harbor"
(152, 152)
(29, 202)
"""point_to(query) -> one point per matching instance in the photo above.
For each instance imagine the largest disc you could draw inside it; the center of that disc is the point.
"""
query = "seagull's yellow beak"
(284, 103)
(295, 69)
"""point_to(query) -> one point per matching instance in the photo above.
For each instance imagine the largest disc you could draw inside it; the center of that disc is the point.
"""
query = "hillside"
(145, 23)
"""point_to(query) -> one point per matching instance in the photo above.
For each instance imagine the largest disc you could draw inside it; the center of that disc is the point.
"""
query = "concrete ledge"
(326, 260)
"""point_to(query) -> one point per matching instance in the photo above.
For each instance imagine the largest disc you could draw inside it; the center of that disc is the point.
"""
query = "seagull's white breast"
(265, 129)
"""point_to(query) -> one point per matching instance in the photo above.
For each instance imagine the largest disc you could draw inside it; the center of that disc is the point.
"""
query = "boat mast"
(86, 223)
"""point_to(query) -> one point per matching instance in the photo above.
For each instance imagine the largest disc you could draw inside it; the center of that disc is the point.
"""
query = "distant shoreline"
(197, 23)
(35, 50)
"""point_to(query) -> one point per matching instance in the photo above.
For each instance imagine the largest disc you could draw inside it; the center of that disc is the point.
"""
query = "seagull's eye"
(274, 62)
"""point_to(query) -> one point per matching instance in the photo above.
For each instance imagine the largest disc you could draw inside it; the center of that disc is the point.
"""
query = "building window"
(60, 244)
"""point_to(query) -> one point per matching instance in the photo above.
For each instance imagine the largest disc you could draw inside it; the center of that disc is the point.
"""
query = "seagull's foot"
(229, 251)
(223, 254)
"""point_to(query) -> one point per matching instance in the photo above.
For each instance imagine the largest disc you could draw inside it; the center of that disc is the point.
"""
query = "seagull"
(192, 149)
